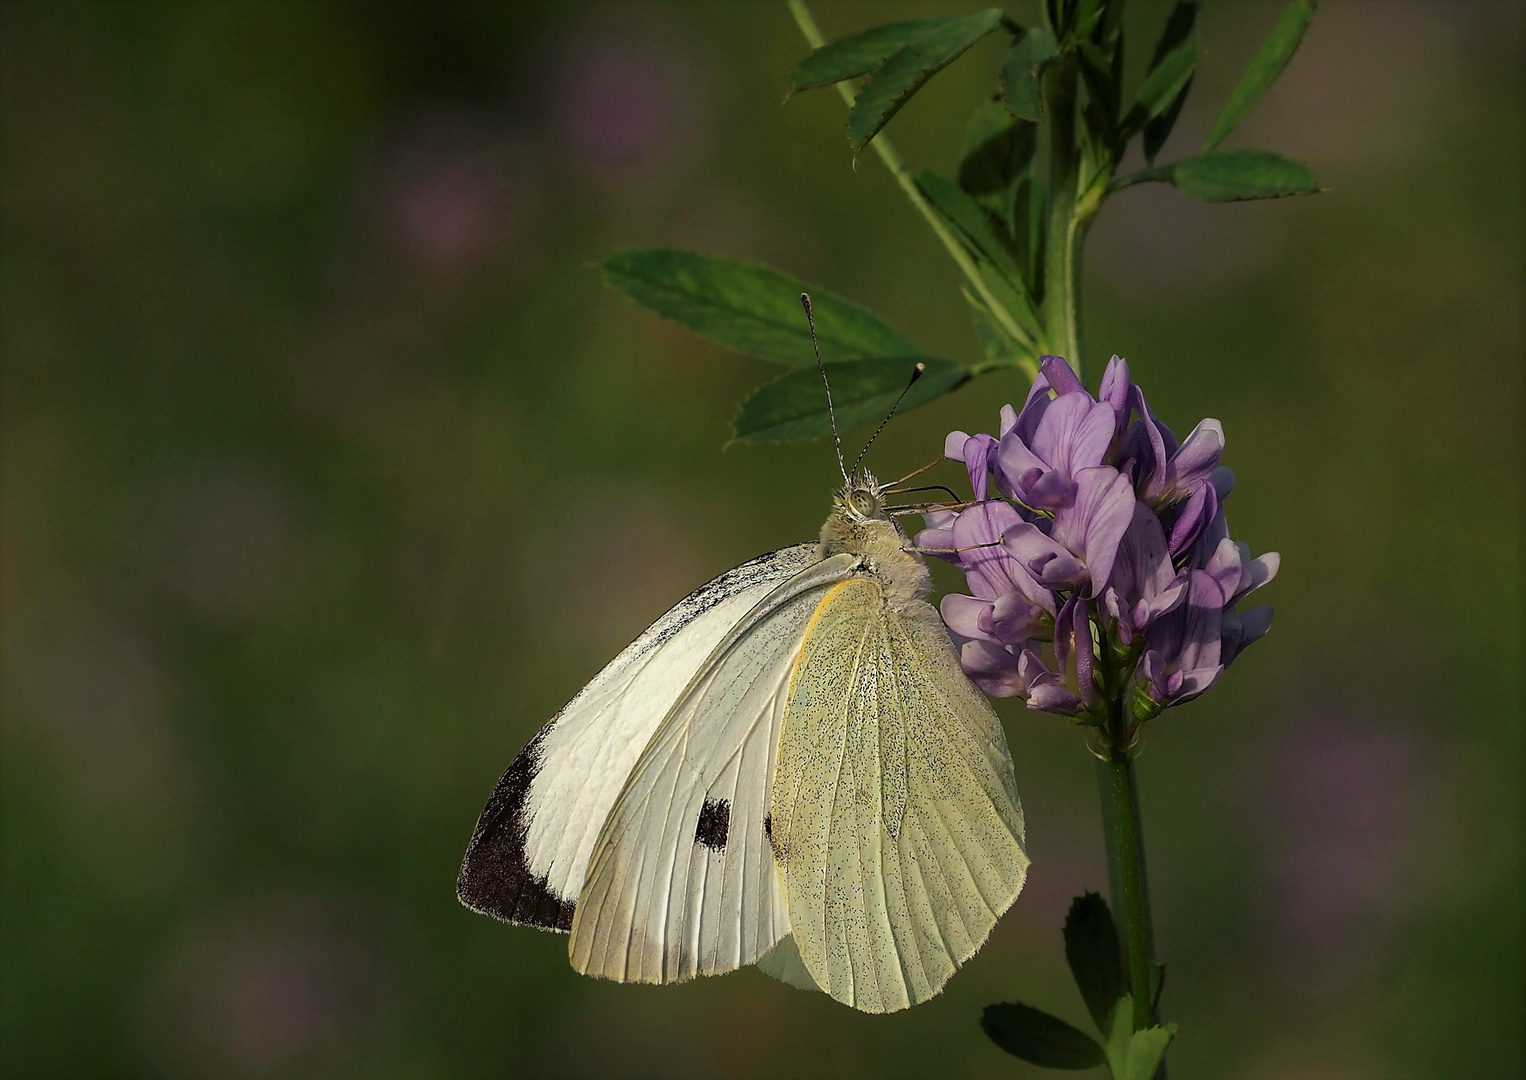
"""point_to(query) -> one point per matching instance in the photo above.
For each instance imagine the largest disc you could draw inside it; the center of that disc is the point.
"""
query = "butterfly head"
(862, 498)
(860, 524)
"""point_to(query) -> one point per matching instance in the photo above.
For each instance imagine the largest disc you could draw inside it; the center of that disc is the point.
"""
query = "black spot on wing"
(714, 824)
(495, 875)
(768, 834)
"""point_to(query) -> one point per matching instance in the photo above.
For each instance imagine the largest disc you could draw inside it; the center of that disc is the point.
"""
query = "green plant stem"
(1062, 241)
(897, 166)
(1126, 875)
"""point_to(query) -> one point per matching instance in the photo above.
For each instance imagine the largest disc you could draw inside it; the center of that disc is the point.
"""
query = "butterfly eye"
(862, 503)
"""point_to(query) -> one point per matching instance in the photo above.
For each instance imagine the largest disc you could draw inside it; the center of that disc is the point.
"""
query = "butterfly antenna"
(805, 302)
(916, 373)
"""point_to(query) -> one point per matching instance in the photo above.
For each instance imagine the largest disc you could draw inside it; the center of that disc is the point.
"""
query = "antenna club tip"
(918, 371)
(805, 300)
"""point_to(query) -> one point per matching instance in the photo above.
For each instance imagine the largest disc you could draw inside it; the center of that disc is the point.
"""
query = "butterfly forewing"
(895, 816)
(682, 882)
(530, 850)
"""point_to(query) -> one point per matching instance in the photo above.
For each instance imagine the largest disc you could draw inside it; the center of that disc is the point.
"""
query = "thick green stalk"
(1062, 241)
(1130, 889)
(897, 166)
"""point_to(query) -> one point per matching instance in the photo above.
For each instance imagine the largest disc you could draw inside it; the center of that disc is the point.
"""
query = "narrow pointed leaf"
(1171, 68)
(1100, 112)
(1097, 71)
(1242, 174)
(1271, 58)
(1157, 131)
(849, 57)
(1091, 948)
(751, 308)
(1062, 14)
(1022, 69)
(1181, 24)
(794, 406)
(967, 216)
(1146, 1048)
(1157, 984)
(1029, 211)
(1001, 349)
(1166, 81)
(1037, 1037)
(1012, 295)
(998, 150)
(904, 73)
(1088, 17)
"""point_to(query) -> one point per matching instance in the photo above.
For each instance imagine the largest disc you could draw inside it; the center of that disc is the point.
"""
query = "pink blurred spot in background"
(626, 99)
(455, 188)
(273, 986)
(1343, 808)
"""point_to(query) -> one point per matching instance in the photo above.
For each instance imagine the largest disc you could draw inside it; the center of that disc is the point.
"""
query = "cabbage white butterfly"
(788, 769)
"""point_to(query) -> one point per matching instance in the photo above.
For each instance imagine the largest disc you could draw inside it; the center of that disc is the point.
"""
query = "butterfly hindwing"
(894, 811)
(529, 852)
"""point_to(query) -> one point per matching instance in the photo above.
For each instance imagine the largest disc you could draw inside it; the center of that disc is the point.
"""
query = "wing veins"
(858, 656)
(900, 712)
(696, 933)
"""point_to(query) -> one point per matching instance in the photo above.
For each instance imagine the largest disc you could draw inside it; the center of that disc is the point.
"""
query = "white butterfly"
(788, 769)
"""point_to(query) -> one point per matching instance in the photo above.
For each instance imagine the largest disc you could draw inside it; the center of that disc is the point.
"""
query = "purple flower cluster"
(1102, 576)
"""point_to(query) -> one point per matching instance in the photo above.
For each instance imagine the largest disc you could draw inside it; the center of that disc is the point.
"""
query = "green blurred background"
(331, 469)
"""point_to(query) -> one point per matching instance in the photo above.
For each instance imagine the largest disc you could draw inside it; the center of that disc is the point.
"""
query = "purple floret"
(1101, 573)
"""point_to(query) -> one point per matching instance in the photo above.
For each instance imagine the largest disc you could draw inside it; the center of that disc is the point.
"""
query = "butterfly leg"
(952, 551)
(922, 508)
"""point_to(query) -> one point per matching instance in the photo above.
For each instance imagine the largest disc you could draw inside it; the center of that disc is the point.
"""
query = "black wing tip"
(509, 894)
(495, 877)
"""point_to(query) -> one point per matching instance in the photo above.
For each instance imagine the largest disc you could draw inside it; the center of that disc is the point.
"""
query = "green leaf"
(1023, 67)
(1088, 19)
(1091, 948)
(1119, 1031)
(968, 219)
(1062, 14)
(1146, 1049)
(850, 57)
(1271, 58)
(904, 73)
(1242, 174)
(1157, 984)
(1134, 1055)
(998, 150)
(1169, 74)
(1037, 1037)
(1181, 25)
(1002, 350)
(1157, 131)
(1029, 235)
(995, 258)
(1097, 71)
(1180, 29)
(750, 308)
(1101, 109)
(1011, 294)
(794, 406)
